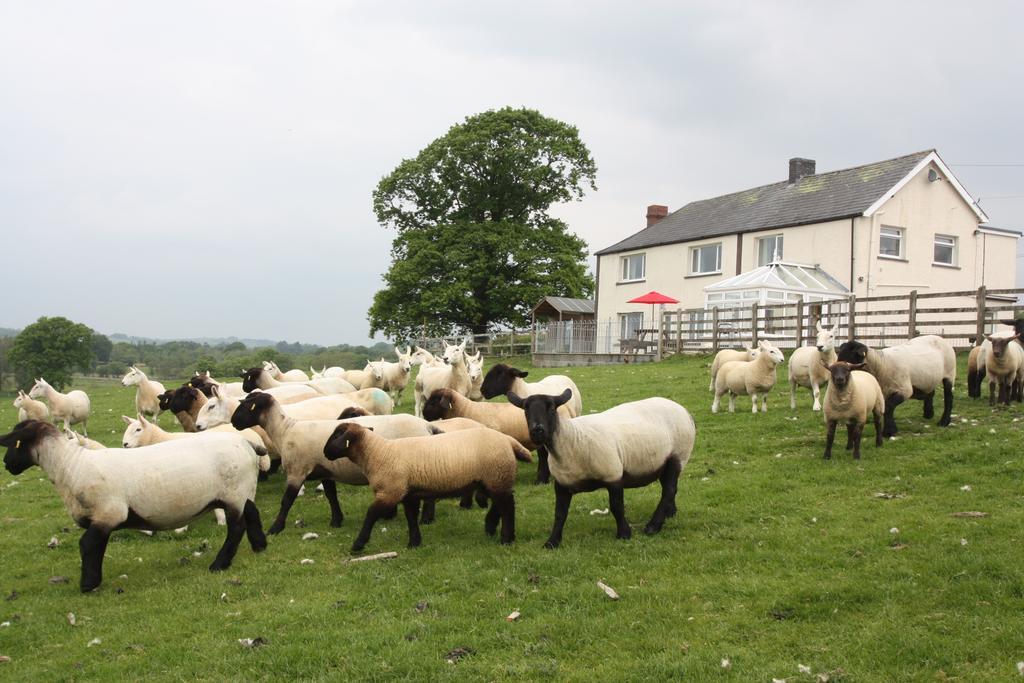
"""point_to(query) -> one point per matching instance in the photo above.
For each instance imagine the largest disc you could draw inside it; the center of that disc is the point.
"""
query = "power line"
(993, 165)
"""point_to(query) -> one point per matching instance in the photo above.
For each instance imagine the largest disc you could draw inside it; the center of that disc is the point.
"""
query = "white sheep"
(727, 356)
(503, 378)
(409, 470)
(852, 396)
(748, 378)
(295, 375)
(146, 393)
(300, 444)
(452, 375)
(333, 371)
(70, 408)
(425, 358)
(29, 408)
(285, 392)
(391, 377)
(914, 369)
(83, 441)
(153, 488)
(475, 369)
(808, 365)
(140, 432)
(628, 446)
(1004, 365)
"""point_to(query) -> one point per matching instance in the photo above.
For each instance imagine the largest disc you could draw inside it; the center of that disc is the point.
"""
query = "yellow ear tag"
(252, 407)
(346, 443)
(17, 444)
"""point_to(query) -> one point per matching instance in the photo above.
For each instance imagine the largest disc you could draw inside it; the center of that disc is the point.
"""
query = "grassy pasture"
(776, 559)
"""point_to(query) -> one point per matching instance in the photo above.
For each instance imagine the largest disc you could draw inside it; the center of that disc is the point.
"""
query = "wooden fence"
(501, 343)
(876, 321)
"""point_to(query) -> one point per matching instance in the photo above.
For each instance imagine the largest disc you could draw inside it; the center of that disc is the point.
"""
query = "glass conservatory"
(776, 283)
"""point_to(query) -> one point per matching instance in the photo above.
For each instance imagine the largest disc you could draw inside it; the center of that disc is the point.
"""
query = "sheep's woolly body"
(748, 378)
(920, 364)
(430, 379)
(552, 385)
(808, 367)
(147, 391)
(295, 375)
(501, 417)
(631, 441)
(140, 435)
(71, 408)
(861, 397)
(455, 424)
(30, 409)
(725, 356)
(1004, 370)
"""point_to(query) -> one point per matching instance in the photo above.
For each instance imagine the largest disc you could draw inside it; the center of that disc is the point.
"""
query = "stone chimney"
(798, 168)
(655, 212)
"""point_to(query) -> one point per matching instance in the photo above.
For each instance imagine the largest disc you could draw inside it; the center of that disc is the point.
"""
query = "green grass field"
(776, 559)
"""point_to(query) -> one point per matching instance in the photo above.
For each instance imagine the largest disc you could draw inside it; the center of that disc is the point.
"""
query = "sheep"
(295, 375)
(808, 365)
(140, 432)
(627, 446)
(502, 379)
(452, 375)
(753, 377)
(914, 369)
(70, 408)
(1004, 365)
(409, 470)
(300, 444)
(154, 488)
(146, 393)
(205, 383)
(975, 370)
(285, 392)
(333, 371)
(475, 369)
(392, 377)
(852, 394)
(83, 441)
(502, 417)
(425, 358)
(186, 402)
(218, 409)
(726, 356)
(29, 408)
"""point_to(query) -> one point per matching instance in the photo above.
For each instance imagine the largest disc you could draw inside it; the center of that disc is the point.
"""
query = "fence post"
(753, 324)
(799, 323)
(714, 329)
(912, 317)
(679, 330)
(661, 337)
(851, 315)
(980, 324)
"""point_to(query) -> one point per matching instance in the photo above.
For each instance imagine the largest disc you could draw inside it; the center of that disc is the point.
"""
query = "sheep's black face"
(203, 384)
(340, 441)
(352, 411)
(165, 399)
(999, 345)
(250, 409)
(182, 399)
(541, 414)
(19, 443)
(249, 379)
(437, 406)
(853, 352)
(840, 375)
(499, 380)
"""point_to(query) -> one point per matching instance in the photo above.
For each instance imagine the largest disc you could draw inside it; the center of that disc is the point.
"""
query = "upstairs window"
(945, 250)
(706, 259)
(634, 268)
(891, 242)
(768, 248)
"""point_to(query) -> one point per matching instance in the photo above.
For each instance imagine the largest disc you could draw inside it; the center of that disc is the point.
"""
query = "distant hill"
(209, 341)
(8, 332)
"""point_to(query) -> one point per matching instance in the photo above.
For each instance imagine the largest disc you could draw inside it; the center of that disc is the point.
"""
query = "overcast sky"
(205, 169)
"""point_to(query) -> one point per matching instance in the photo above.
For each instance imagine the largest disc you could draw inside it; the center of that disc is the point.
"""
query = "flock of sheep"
(337, 426)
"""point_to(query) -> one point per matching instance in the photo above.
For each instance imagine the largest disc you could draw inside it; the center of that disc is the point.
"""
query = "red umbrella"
(652, 298)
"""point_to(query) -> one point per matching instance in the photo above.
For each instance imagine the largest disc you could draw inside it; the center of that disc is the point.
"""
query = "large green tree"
(51, 348)
(476, 247)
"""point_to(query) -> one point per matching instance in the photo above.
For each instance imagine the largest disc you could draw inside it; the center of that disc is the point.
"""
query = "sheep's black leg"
(1004, 393)
(254, 527)
(507, 505)
(563, 497)
(373, 513)
(830, 436)
(543, 471)
(618, 507)
(275, 465)
(236, 529)
(878, 429)
(890, 414)
(856, 429)
(411, 506)
(491, 519)
(849, 435)
(991, 393)
(481, 497)
(331, 494)
(973, 383)
(929, 406)
(92, 546)
(429, 511)
(667, 505)
(291, 491)
(466, 502)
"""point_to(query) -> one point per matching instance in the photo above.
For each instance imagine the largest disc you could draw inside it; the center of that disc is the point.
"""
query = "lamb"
(300, 443)
(914, 369)
(146, 401)
(29, 408)
(852, 394)
(409, 470)
(475, 369)
(295, 375)
(627, 446)
(728, 355)
(753, 378)
(392, 377)
(70, 408)
(285, 392)
(154, 488)
(1004, 365)
(452, 375)
(502, 417)
(502, 379)
(808, 365)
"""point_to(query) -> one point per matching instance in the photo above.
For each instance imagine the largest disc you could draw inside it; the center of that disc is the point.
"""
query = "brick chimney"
(655, 212)
(798, 168)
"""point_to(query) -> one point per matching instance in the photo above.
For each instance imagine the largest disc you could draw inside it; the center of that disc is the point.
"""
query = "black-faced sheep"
(852, 395)
(502, 379)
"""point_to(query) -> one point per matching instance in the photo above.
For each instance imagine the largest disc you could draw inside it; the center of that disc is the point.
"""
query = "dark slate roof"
(993, 228)
(812, 199)
(564, 304)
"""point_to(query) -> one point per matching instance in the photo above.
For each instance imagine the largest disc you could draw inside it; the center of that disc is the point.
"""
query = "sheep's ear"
(520, 373)
(127, 420)
(563, 398)
(514, 400)
(857, 366)
(142, 419)
(817, 325)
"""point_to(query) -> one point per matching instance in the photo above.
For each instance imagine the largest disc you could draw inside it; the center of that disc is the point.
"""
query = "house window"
(706, 259)
(945, 250)
(768, 248)
(629, 323)
(890, 242)
(634, 267)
